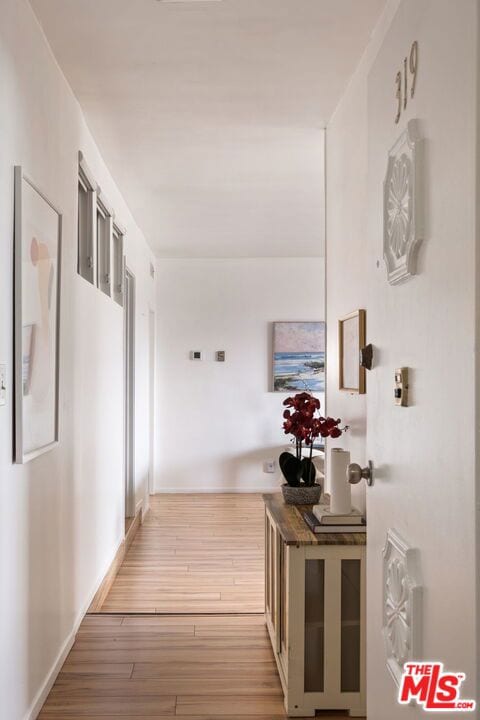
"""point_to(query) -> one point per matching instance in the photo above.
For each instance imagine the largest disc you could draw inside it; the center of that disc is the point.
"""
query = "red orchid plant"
(303, 421)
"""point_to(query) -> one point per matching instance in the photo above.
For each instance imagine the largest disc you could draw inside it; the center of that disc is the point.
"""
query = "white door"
(424, 453)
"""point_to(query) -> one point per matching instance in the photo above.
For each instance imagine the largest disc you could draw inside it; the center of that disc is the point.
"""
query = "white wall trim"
(42, 694)
(195, 490)
(49, 681)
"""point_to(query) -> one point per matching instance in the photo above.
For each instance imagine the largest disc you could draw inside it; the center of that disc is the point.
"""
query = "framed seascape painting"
(38, 237)
(299, 356)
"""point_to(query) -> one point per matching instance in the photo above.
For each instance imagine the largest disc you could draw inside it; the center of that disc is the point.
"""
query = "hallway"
(158, 658)
(147, 668)
(239, 237)
(151, 667)
(199, 553)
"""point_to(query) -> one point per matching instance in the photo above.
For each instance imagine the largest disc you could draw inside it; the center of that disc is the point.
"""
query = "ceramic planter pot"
(301, 495)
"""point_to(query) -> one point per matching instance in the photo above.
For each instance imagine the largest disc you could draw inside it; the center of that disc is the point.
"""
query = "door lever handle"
(355, 473)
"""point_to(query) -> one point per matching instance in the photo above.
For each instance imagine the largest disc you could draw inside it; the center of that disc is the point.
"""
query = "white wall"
(61, 515)
(425, 485)
(218, 422)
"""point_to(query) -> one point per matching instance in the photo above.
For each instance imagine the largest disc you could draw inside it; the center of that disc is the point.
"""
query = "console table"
(315, 611)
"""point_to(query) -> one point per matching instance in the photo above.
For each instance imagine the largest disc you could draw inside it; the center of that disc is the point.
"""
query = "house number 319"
(409, 72)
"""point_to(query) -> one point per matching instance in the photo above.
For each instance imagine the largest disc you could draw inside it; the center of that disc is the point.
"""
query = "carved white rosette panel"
(402, 206)
(401, 604)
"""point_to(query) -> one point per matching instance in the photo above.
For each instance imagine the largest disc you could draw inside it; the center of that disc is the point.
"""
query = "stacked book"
(322, 520)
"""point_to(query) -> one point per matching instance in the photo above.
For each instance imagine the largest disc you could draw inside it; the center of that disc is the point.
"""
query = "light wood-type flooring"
(194, 554)
(156, 667)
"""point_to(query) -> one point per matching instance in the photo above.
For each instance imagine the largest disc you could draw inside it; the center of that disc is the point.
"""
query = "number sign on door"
(405, 79)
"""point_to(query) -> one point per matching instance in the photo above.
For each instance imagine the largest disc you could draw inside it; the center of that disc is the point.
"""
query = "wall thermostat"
(196, 355)
(400, 392)
(220, 355)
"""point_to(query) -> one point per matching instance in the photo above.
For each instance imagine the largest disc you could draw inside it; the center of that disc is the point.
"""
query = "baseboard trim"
(107, 582)
(99, 592)
(132, 530)
(112, 571)
(42, 694)
(274, 487)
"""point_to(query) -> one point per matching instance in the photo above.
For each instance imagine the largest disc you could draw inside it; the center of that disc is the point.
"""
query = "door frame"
(151, 399)
(129, 393)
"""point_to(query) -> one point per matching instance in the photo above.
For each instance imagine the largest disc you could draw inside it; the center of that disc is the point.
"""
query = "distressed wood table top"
(295, 531)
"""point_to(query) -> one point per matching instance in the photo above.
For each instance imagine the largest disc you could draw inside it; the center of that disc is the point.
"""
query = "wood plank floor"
(155, 667)
(194, 554)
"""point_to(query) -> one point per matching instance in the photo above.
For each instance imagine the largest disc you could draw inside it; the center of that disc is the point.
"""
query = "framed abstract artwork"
(299, 356)
(351, 339)
(37, 265)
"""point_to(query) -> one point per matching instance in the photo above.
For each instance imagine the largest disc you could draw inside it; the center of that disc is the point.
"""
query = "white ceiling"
(210, 114)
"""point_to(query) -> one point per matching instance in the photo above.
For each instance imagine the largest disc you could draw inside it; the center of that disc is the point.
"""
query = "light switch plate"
(3, 383)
